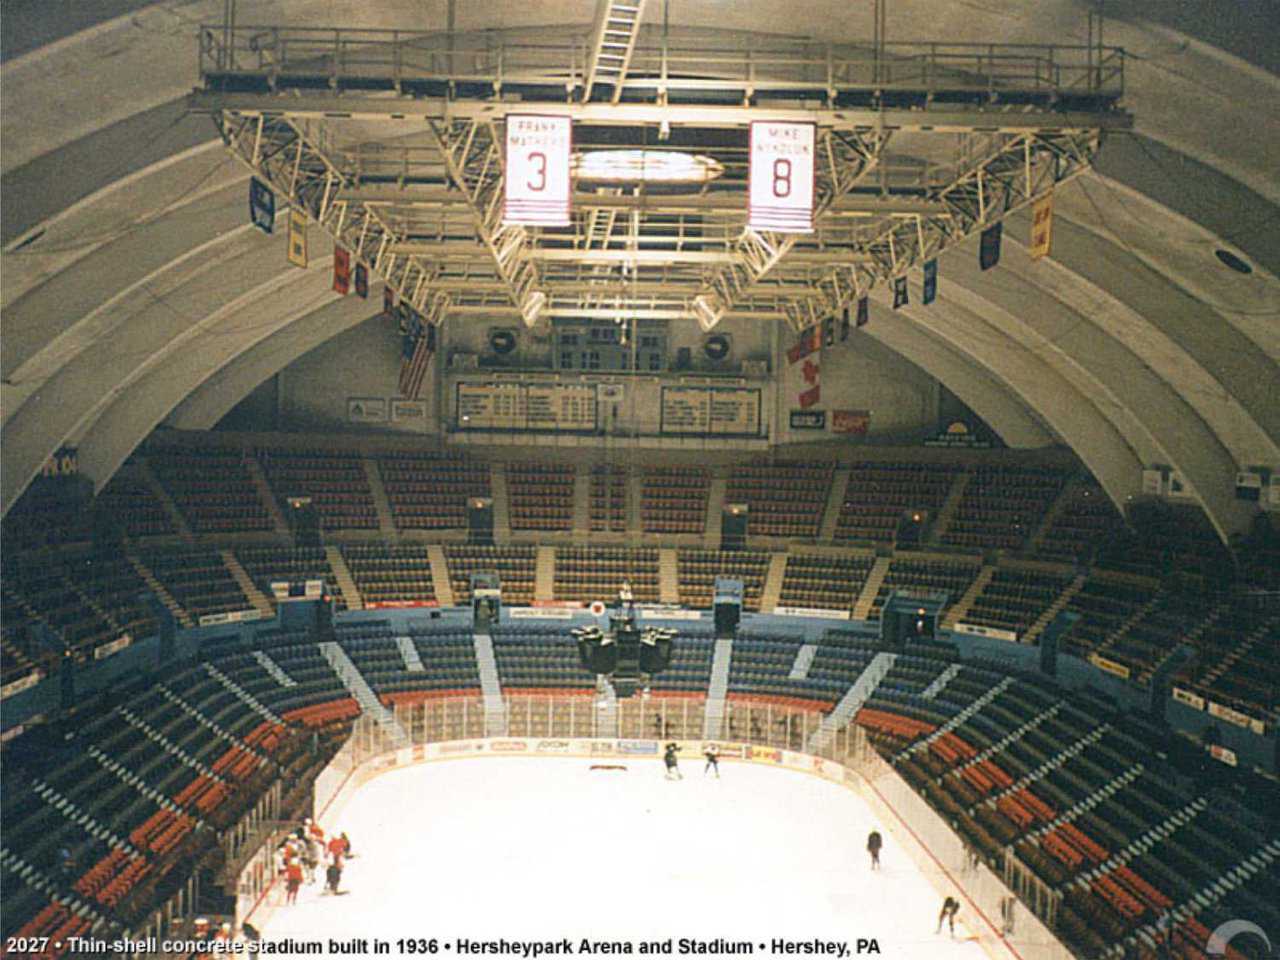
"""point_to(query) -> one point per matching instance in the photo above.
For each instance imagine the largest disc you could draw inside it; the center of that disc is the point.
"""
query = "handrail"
(746, 63)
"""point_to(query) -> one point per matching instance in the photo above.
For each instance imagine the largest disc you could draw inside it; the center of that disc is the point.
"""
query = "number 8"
(782, 175)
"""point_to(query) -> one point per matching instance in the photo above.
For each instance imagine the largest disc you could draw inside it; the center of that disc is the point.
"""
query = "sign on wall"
(808, 419)
(521, 406)
(851, 422)
(414, 411)
(711, 411)
(781, 177)
(537, 177)
(366, 410)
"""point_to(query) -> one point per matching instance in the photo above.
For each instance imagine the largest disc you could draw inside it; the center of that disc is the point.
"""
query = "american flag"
(417, 345)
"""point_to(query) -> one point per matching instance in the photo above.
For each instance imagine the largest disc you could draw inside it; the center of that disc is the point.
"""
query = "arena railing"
(1009, 910)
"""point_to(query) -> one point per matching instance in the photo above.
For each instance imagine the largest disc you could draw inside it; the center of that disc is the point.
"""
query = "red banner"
(852, 422)
(400, 604)
(341, 271)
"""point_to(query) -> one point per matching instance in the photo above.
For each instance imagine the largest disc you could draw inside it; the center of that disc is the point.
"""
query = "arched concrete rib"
(1243, 438)
(1231, 358)
(124, 265)
(178, 305)
(1182, 253)
(1072, 413)
(1003, 410)
(221, 391)
(1102, 366)
(136, 411)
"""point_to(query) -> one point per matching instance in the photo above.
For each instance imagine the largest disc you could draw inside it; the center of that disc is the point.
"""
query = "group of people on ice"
(299, 855)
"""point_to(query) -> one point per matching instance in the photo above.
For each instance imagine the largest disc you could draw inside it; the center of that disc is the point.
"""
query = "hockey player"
(333, 874)
(950, 907)
(292, 881)
(874, 843)
(669, 758)
(713, 761)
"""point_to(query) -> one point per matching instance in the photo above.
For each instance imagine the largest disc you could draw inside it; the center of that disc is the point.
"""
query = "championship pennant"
(297, 239)
(537, 181)
(930, 282)
(341, 271)
(899, 292)
(1042, 227)
(989, 246)
(781, 176)
(262, 206)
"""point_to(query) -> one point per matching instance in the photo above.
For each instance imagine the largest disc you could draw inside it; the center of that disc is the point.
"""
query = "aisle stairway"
(273, 669)
(715, 507)
(440, 581)
(161, 591)
(835, 504)
(343, 579)
(668, 576)
(268, 498)
(370, 705)
(544, 575)
(255, 596)
(386, 519)
(867, 598)
(409, 654)
(580, 526)
(859, 692)
(803, 661)
(501, 503)
(495, 711)
(718, 689)
(248, 698)
(771, 592)
(960, 609)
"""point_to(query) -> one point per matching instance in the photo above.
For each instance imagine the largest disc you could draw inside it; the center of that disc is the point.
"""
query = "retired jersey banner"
(537, 179)
(989, 251)
(808, 341)
(389, 301)
(864, 311)
(930, 282)
(781, 176)
(899, 292)
(262, 206)
(362, 281)
(844, 324)
(341, 271)
(1042, 227)
(297, 239)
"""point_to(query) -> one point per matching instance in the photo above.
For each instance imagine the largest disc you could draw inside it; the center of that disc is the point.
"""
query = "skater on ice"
(874, 843)
(713, 762)
(669, 758)
(950, 907)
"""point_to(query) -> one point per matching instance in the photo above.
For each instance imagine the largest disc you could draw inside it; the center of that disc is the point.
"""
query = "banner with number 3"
(781, 176)
(537, 184)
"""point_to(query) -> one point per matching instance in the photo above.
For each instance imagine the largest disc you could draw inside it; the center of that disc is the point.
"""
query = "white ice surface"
(541, 849)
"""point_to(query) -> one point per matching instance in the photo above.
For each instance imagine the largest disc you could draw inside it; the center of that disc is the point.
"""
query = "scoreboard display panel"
(521, 406)
(711, 411)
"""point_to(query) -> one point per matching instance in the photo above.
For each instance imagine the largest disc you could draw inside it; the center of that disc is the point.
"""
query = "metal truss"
(295, 164)
(843, 159)
(399, 159)
(1006, 172)
(472, 153)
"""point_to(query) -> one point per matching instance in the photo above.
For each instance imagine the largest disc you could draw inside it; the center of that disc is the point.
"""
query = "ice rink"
(543, 849)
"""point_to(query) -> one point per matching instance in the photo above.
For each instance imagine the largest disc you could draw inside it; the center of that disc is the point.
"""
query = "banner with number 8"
(781, 177)
(537, 173)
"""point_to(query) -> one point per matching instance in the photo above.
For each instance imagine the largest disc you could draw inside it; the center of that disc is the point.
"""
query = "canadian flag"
(805, 361)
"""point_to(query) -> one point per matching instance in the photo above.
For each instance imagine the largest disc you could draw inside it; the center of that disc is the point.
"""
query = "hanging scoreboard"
(781, 180)
(537, 178)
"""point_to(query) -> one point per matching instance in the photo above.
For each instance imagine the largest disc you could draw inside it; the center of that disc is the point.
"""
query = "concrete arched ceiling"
(133, 291)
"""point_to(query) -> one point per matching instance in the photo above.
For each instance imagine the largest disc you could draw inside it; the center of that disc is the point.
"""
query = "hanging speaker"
(502, 341)
(717, 346)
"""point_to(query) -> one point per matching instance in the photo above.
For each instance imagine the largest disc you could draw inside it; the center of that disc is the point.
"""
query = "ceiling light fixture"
(645, 166)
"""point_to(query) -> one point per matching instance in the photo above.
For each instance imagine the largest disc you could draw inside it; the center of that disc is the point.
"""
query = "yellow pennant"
(1041, 227)
(297, 239)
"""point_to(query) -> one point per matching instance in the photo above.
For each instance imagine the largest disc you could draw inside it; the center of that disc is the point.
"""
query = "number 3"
(540, 159)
